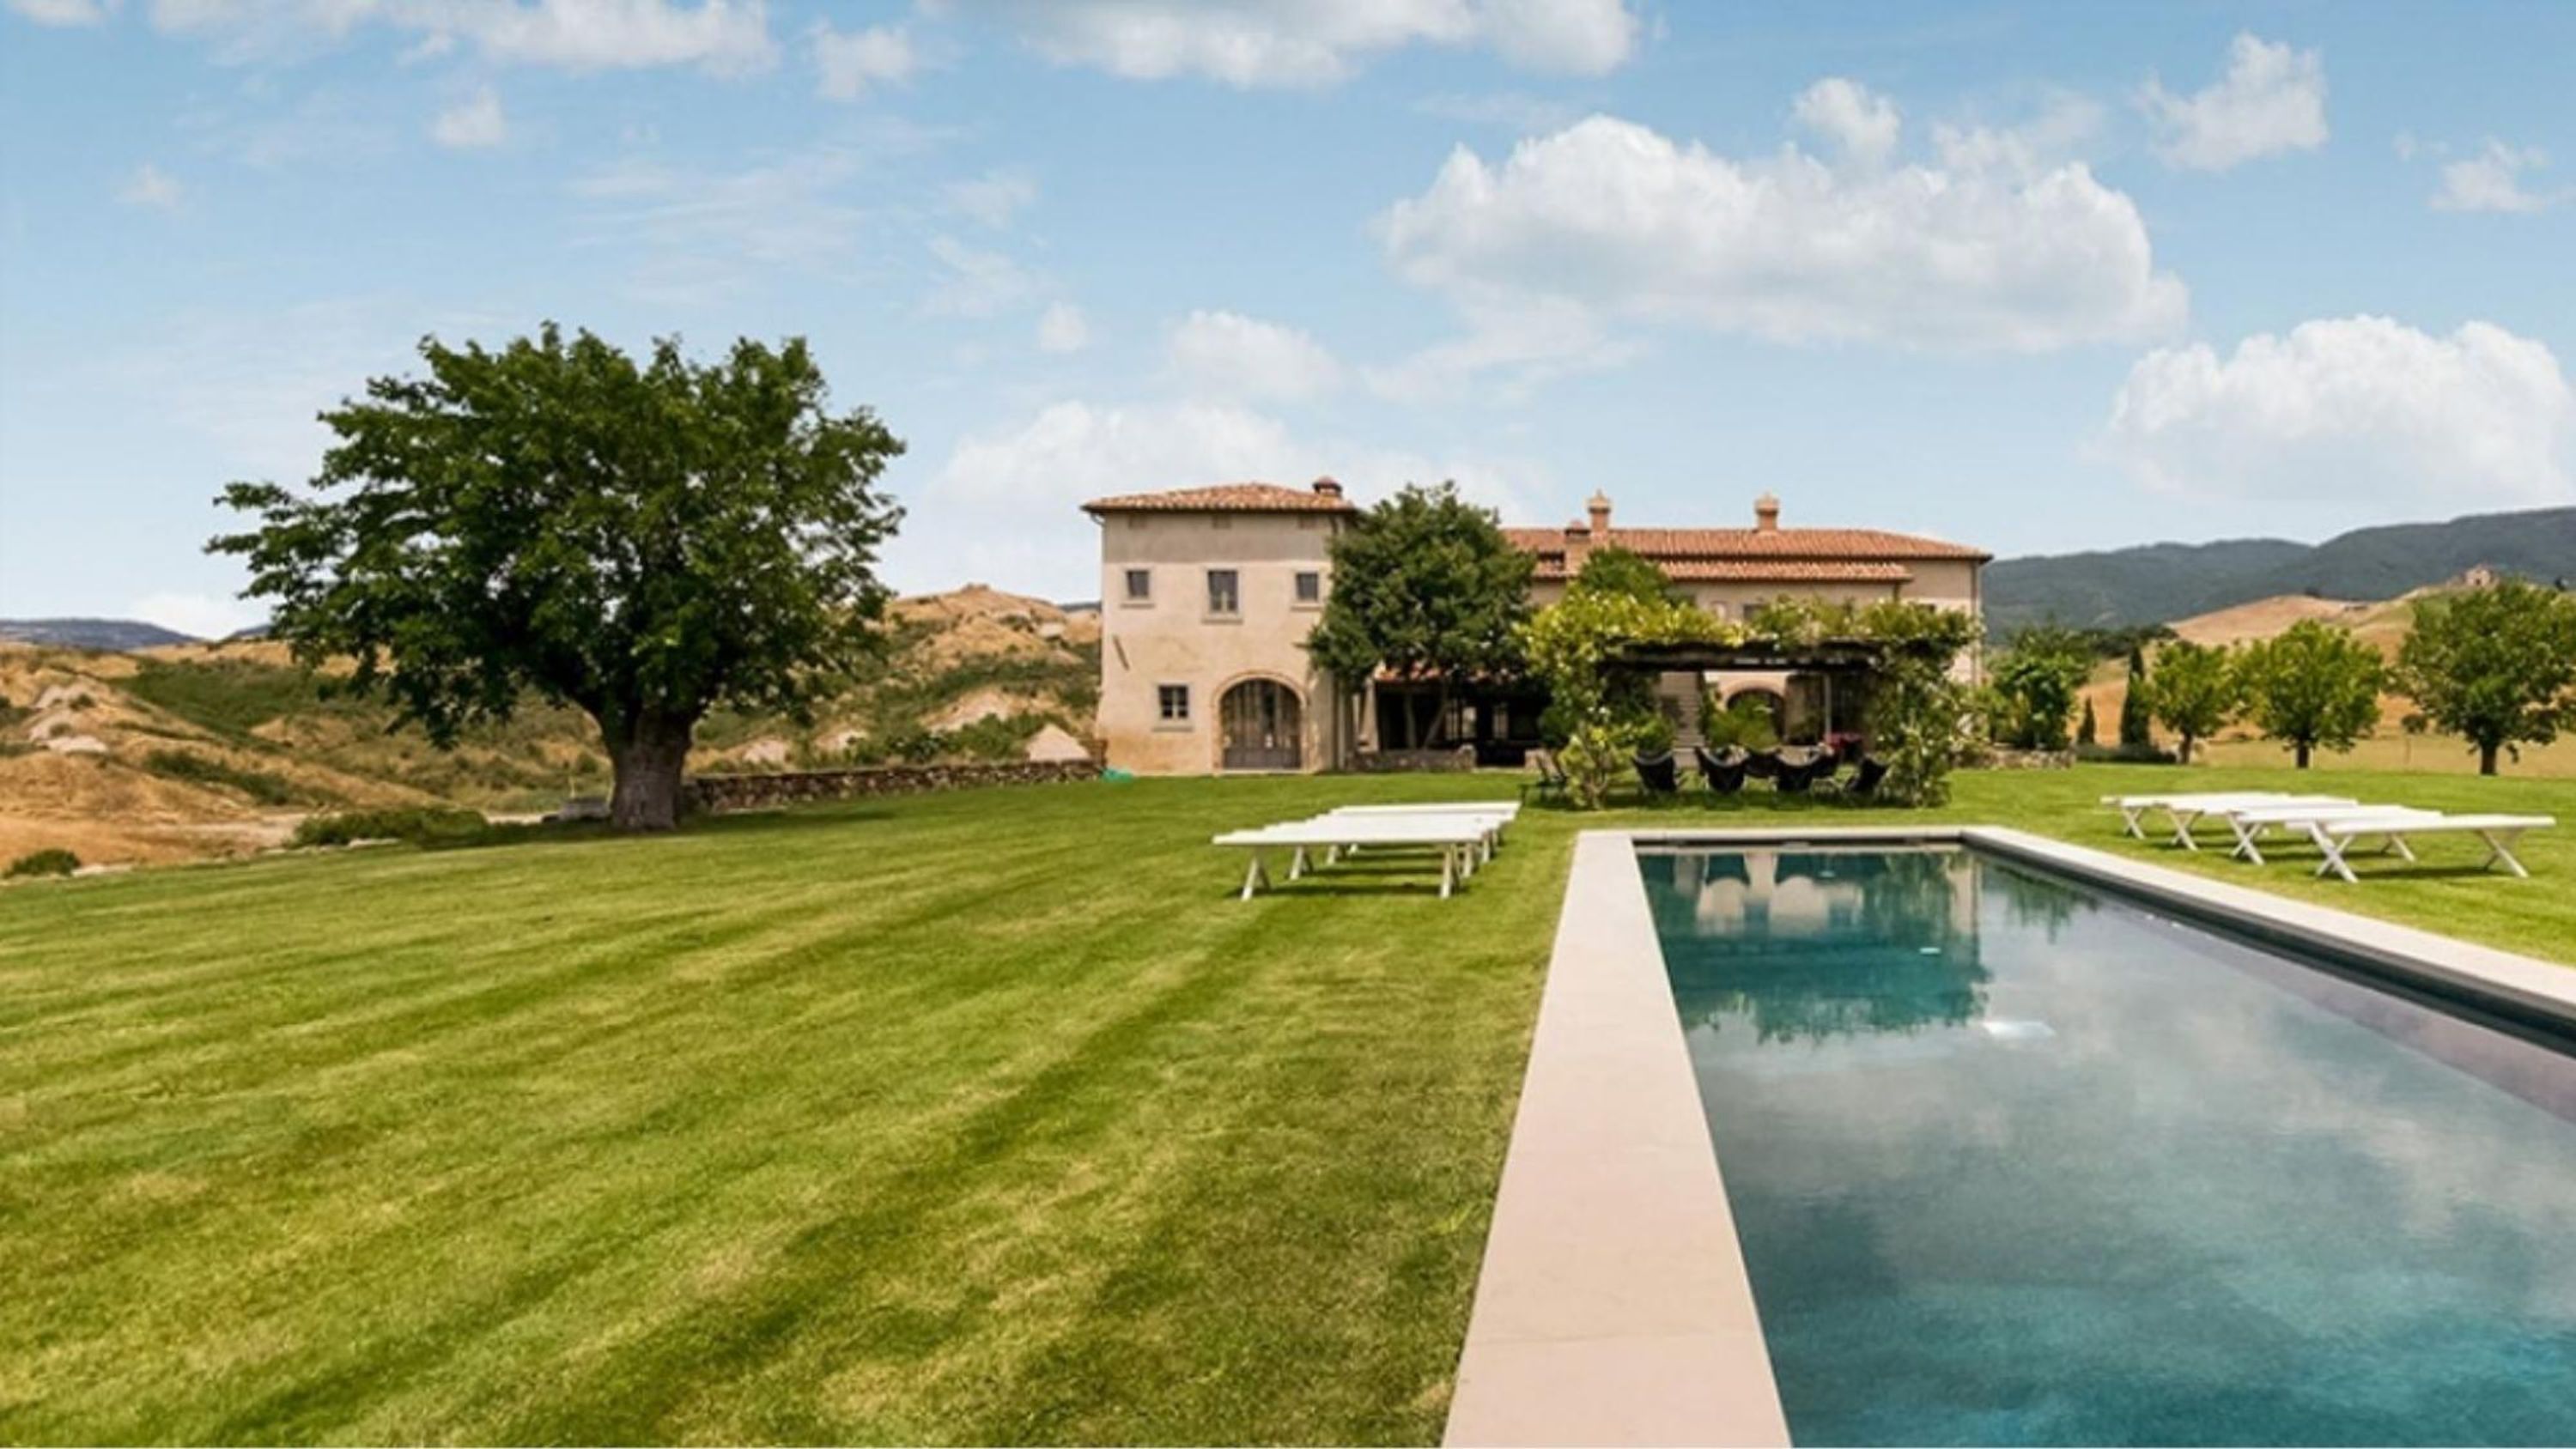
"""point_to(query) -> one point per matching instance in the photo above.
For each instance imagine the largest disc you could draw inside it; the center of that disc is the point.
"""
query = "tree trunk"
(1412, 719)
(648, 753)
(2486, 759)
(2186, 749)
(2301, 749)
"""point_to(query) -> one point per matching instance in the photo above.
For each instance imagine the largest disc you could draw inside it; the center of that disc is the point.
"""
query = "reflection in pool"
(2015, 1163)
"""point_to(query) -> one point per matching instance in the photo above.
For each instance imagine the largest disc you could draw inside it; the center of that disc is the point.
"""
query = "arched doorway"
(1263, 725)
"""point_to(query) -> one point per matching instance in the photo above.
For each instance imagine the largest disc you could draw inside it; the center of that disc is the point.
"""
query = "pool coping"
(1613, 1306)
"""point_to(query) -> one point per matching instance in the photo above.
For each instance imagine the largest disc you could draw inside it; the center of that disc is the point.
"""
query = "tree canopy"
(2312, 685)
(646, 541)
(2036, 685)
(2195, 691)
(2495, 666)
(1615, 570)
(1425, 587)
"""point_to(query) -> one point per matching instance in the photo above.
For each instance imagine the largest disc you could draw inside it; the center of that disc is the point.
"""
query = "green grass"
(980, 1117)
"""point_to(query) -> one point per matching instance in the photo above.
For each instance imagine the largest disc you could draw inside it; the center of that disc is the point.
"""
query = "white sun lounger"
(2336, 836)
(2250, 822)
(1496, 816)
(2184, 811)
(1458, 840)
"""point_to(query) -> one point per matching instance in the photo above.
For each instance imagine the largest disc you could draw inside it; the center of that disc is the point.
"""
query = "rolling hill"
(178, 750)
(2159, 583)
(91, 633)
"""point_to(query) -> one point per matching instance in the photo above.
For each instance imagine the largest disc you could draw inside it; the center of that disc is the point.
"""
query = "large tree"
(2197, 689)
(2038, 681)
(644, 540)
(1425, 587)
(2312, 685)
(2495, 666)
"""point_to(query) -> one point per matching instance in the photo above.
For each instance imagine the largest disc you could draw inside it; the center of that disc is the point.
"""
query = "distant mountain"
(91, 633)
(2161, 582)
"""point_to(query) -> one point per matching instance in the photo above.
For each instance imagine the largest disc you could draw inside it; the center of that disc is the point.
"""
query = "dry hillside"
(208, 749)
(2382, 624)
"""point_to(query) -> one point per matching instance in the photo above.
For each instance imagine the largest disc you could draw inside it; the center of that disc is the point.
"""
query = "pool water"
(2013, 1162)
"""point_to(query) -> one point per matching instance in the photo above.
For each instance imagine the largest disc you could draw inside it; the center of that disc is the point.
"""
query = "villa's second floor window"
(1140, 585)
(1310, 587)
(1225, 592)
(1172, 703)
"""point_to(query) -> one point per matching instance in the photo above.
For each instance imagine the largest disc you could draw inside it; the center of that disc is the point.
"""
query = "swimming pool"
(2011, 1161)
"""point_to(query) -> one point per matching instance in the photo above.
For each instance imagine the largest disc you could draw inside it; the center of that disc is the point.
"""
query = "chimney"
(1766, 514)
(1599, 507)
(1328, 487)
(1578, 547)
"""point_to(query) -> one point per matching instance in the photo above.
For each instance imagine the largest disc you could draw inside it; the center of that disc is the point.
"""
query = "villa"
(1208, 596)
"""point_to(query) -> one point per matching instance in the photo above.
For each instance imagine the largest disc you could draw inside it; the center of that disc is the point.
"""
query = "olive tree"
(2495, 666)
(2196, 690)
(644, 540)
(2312, 685)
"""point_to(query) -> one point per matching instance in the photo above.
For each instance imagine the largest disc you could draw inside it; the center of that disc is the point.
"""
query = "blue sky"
(2169, 272)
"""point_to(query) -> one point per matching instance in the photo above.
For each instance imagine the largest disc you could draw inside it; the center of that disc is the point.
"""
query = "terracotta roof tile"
(1668, 545)
(1225, 498)
(1761, 571)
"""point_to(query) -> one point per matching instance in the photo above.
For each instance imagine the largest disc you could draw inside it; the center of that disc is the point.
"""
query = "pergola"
(1829, 659)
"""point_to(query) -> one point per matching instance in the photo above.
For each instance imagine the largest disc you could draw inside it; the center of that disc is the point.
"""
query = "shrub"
(1744, 725)
(422, 825)
(259, 785)
(2124, 755)
(43, 862)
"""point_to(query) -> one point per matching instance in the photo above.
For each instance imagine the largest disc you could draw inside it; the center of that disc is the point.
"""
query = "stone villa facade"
(1208, 594)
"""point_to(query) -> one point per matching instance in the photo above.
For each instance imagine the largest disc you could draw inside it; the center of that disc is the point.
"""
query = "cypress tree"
(2135, 710)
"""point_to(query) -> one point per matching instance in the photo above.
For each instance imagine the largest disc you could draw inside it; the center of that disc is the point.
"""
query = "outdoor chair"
(1762, 764)
(1864, 785)
(1724, 774)
(1551, 781)
(1658, 774)
(1795, 778)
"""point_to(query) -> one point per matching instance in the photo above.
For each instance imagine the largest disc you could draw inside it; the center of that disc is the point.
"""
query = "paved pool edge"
(1613, 1305)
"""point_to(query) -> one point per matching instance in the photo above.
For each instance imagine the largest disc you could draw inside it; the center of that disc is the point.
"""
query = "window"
(1172, 703)
(1140, 585)
(1225, 592)
(1310, 587)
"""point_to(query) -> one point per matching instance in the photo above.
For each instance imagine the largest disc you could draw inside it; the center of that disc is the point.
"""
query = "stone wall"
(787, 787)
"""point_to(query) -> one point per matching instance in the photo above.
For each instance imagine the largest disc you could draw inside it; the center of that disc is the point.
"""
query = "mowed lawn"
(981, 1117)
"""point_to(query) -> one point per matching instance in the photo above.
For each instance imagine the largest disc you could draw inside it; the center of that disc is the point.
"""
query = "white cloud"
(63, 12)
(1987, 250)
(2345, 409)
(204, 616)
(151, 187)
(1862, 124)
(472, 123)
(1227, 354)
(992, 198)
(2492, 180)
(1004, 505)
(2272, 99)
(1312, 42)
(724, 36)
(978, 283)
(851, 63)
(1062, 328)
